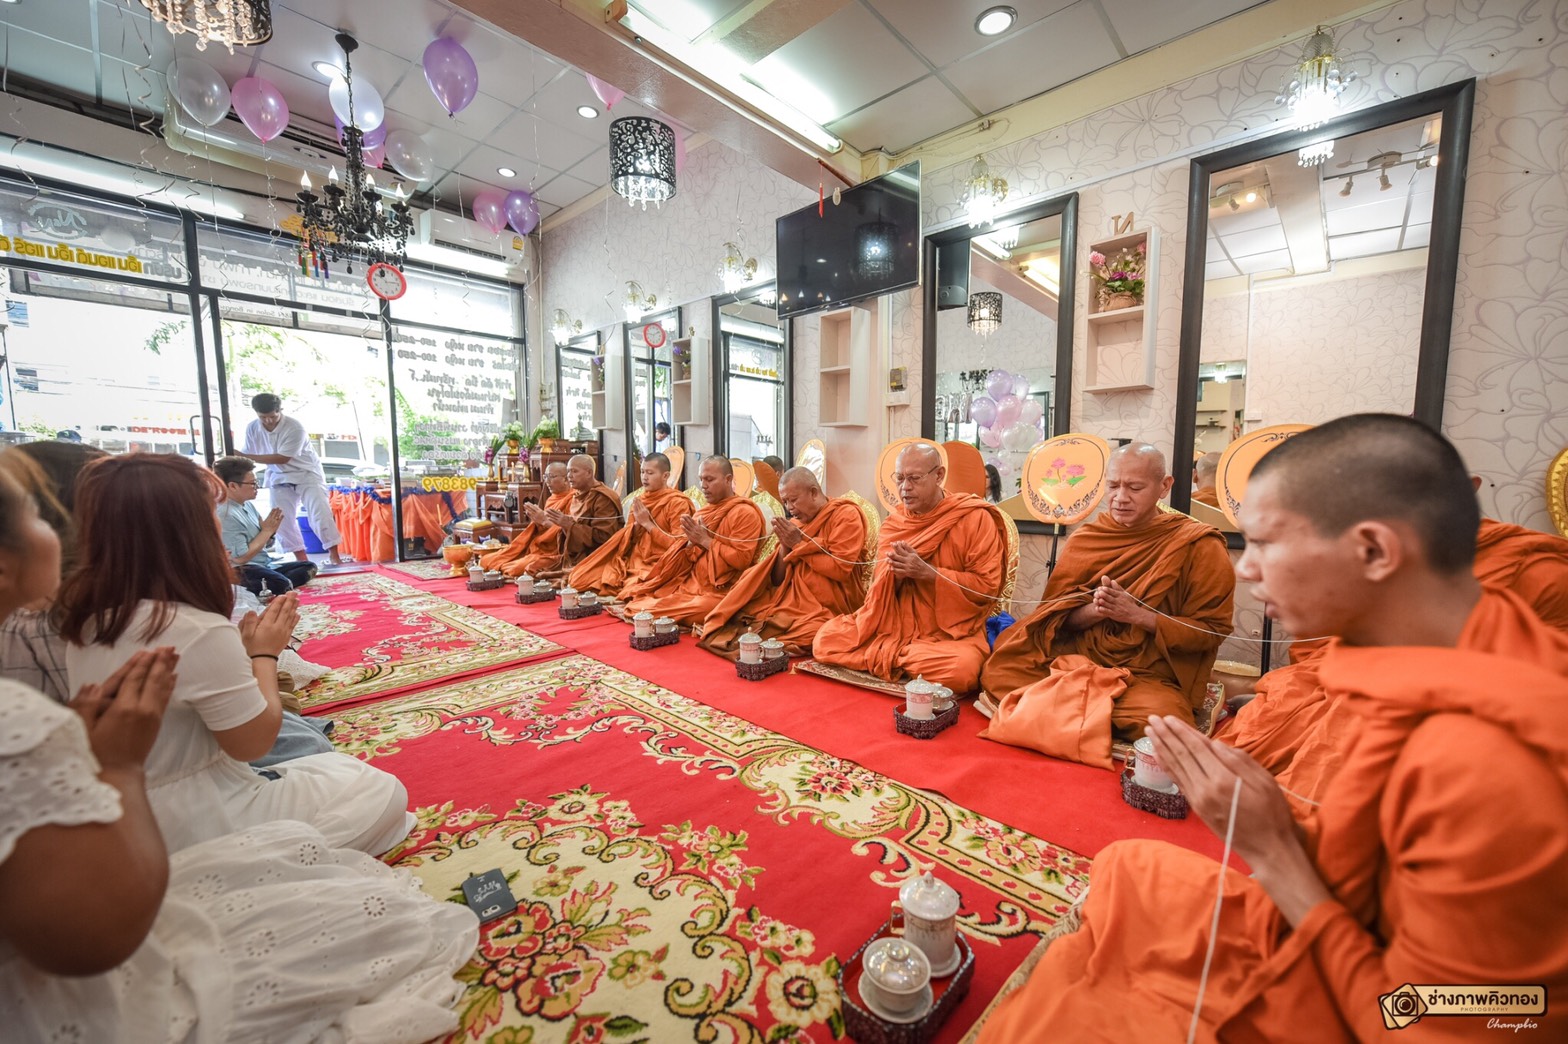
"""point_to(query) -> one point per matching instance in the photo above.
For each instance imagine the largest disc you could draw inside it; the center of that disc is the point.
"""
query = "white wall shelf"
(692, 397)
(609, 402)
(1119, 353)
(844, 373)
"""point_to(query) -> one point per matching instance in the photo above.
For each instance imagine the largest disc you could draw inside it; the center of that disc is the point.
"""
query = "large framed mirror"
(650, 418)
(575, 385)
(998, 341)
(751, 390)
(1319, 286)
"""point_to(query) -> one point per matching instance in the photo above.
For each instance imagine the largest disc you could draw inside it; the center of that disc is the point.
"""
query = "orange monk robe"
(630, 555)
(1422, 842)
(688, 581)
(1531, 564)
(1176, 565)
(1207, 495)
(528, 538)
(819, 584)
(934, 629)
(598, 510)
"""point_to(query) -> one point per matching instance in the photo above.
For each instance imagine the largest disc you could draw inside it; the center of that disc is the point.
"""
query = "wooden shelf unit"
(691, 399)
(1119, 349)
(609, 403)
(845, 364)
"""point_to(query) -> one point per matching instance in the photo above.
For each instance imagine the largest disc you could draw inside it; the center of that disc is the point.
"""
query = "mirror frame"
(1455, 102)
(1062, 395)
(721, 369)
(630, 366)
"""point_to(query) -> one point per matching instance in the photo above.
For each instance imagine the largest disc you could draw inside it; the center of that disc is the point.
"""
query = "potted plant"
(1120, 279)
(513, 435)
(680, 363)
(596, 373)
(546, 433)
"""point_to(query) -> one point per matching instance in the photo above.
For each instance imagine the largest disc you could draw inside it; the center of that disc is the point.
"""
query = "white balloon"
(200, 89)
(369, 112)
(409, 155)
(1019, 437)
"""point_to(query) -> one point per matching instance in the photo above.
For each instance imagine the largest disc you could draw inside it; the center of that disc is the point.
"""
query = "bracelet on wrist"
(263, 656)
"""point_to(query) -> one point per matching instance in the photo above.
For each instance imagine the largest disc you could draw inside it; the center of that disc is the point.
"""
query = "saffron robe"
(688, 581)
(1206, 495)
(599, 511)
(819, 583)
(531, 537)
(1441, 842)
(1531, 564)
(1119, 673)
(934, 629)
(630, 555)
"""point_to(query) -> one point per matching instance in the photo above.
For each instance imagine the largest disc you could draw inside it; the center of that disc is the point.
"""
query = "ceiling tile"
(127, 86)
(42, 58)
(1273, 261)
(1256, 241)
(1224, 221)
(1417, 236)
(1221, 269)
(839, 65)
(509, 69)
(1387, 212)
(690, 18)
(135, 36)
(596, 168)
(484, 164)
(1364, 244)
(531, 140)
(896, 122)
(565, 190)
(401, 27)
(458, 189)
(1054, 50)
(298, 42)
(477, 122)
(557, 102)
(1142, 24)
(306, 95)
(944, 30)
(65, 20)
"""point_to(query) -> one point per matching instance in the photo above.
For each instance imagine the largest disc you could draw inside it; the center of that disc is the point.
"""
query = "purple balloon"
(983, 410)
(522, 212)
(371, 139)
(261, 107)
(1007, 410)
(451, 73)
(490, 211)
(998, 383)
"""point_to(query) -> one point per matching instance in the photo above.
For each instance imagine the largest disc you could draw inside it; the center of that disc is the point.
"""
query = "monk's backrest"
(868, 553)
(771, 509)
(1004, 601)
(620, 479)
(694, 494)
(626, 502)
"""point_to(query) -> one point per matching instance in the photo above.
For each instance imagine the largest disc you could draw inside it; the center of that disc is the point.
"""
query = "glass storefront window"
(648, 344)
(98, 238)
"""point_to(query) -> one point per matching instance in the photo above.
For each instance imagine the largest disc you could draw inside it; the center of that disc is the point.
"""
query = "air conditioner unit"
(303, 145)
(451, 239)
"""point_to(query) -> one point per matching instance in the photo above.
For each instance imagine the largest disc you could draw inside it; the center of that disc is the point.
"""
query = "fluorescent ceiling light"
(1047, 272)
(506, 172)
(462, 260)
(994, 21)
(587, 112)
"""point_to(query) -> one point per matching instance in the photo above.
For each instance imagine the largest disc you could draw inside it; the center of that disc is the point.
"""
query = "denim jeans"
(286, 577)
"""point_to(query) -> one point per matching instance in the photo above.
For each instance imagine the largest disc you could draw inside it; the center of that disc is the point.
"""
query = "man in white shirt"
(246, 534)
(294, 476)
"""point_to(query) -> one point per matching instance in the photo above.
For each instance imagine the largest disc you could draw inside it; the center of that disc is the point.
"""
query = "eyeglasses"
(910, 480)
(252, 482)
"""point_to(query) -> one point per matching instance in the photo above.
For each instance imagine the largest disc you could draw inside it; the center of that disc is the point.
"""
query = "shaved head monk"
(1205, 474)
(1298, 730)
(811, 577)
(591, 516)
(717, 545)
(536, 533)
(654, 524)
(1438, 855)
(941, 562)
(1128, 626)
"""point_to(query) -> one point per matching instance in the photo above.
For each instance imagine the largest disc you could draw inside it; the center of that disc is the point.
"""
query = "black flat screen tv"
(867, 244)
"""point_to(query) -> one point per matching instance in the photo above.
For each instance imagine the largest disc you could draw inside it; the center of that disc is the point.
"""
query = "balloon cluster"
(1010, 422)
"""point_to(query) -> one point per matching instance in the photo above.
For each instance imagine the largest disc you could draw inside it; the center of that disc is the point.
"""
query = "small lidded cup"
(642, 625)
(941, 699)
(587, 599)
(919, 696)
(525, 584)
(665, 625)
(750, 648)
(568, 598)
(1146, 770)
(772, 649)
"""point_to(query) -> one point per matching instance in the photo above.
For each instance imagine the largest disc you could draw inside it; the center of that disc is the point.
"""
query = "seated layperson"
(1413, 871)
(941, 561)
(1128, 627)
(652, 525)
(809, 578)
(246, 534)
(152, 572)
(537, 531)
(718, 544)
(591, 515)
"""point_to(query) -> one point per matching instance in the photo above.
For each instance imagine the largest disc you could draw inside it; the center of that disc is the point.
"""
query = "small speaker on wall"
(952, 276)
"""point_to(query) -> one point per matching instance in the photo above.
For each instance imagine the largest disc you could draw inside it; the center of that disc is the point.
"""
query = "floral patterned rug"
(380, 636)
(422, 569)
(681, 874)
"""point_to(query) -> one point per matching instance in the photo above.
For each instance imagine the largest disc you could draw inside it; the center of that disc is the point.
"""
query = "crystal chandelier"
(982, 195)
(352, 223)
(642, 160)
(232, 22)
(1313, 93)
(985, 312)
(563, 327)
(874, 247)
(736, 270)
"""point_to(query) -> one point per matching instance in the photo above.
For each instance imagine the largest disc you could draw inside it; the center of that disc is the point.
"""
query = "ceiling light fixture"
(1350, 183)
(982, 194)
(1383, 184)
(736, 270)
(637, 303)
(1314, 90)
(1233, 204)
(588, 112)
(329, 71)
(642, 160)
(231, 22)
(1314, 155)
(506, 172)
(994, 21)
(875, 242)
(985, 312)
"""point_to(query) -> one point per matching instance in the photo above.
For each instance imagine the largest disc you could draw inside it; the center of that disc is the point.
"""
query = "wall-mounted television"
(865, 245)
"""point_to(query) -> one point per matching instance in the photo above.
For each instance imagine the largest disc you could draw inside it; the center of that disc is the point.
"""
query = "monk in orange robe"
(1531, 564)
(808, 579)
(591, 517)
(629, 556)
(535, 532)
(1128, 627)
(1205, 473)
(718, 544)
(1417, 869)
(942, 559)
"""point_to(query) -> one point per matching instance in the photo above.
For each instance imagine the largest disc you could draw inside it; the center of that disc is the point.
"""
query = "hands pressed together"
(906, 564)
(697, 533)
(788, 532)
(269, 633)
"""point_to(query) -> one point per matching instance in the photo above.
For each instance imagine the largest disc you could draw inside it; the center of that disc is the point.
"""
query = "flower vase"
(1112, 302)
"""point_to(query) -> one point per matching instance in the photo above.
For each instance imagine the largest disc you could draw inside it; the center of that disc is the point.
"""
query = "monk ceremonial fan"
(653, 525)
(1128, 626)
(534, 535)
(588, 519)
(941, 562)
(717, 546)
(808, 579)
(1438, 855)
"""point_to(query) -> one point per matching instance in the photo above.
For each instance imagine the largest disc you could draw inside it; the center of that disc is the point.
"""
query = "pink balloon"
(376, 156)
(605, 93)
(451, 73)
(261, 107)
(522, 212)
(991, 437)
(983, 410)
(998, 383)
(1007, 408)
(490, 211)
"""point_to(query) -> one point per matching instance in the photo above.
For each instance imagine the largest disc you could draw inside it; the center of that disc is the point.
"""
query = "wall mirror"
(575, 386)
(1319, 286)
(750, 385)
(998, 340)
(649, 343)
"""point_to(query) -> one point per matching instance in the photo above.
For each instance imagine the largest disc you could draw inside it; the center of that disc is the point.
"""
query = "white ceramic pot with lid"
(929, 907)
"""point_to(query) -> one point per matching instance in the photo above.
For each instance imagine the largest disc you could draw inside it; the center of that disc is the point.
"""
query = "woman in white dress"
(151, 571)
(269, 935)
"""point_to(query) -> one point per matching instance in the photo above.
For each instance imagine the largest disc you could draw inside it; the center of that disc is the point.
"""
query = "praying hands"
(788, 532)
(697, 534)
(907, 565)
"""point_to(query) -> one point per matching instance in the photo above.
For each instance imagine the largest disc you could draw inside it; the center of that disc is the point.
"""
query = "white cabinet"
(844, 373)
(691, 391)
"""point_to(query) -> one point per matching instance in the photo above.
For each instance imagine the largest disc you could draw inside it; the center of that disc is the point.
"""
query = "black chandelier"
(352, 223)
(642, 160)
(985, 312)
(875, 243)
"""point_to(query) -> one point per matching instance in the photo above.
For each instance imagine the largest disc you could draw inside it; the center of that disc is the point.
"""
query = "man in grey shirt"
(246, 534)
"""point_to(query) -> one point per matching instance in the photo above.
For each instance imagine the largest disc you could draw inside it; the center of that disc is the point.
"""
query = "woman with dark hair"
(152, 570)
(993, 484)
